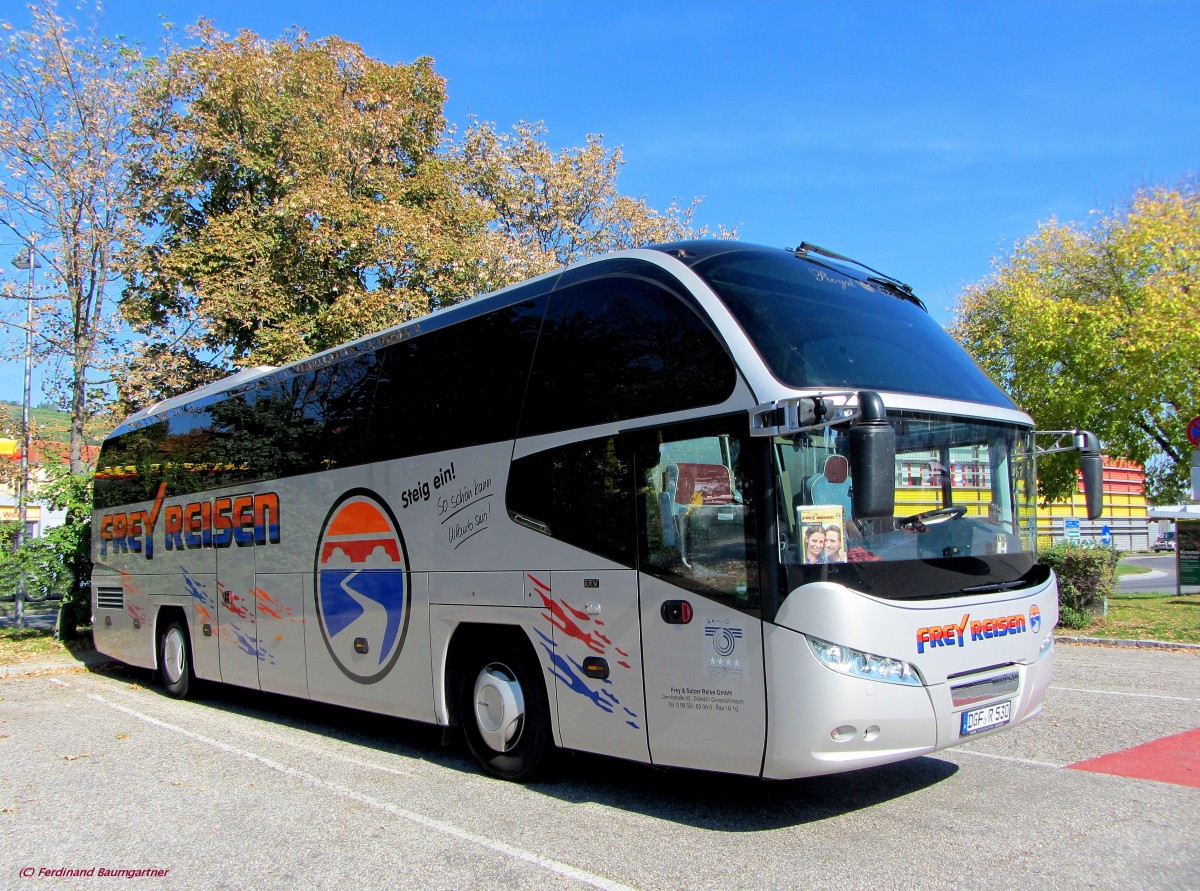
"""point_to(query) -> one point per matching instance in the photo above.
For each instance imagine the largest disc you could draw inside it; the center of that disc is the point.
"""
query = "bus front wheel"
(504, 712)
(175, 659)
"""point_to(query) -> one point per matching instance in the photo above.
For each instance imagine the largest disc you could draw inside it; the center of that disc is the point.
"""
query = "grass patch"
(19, 645)
(1132, 569)
(1149, 616)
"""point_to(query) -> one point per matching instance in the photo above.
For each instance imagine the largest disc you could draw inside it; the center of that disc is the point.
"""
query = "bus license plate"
(986, 718)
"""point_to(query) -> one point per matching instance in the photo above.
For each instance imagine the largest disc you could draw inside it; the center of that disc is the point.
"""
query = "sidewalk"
(32, 620)
(44, 620)
(85, 661)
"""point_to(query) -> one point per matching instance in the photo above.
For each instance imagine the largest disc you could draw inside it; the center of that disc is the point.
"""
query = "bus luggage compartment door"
(595, 660)
(237, 617)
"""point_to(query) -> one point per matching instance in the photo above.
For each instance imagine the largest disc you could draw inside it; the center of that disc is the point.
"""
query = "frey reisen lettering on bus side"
(244, 521)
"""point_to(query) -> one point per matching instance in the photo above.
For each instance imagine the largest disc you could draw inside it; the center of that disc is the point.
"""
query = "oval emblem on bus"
(361, 582)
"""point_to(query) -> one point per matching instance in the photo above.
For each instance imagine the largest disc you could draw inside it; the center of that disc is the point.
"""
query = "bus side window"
(622, 346)
(697, 525)
(581, 494)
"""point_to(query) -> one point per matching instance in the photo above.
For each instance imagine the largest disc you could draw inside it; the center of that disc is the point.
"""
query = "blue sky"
(923, 138)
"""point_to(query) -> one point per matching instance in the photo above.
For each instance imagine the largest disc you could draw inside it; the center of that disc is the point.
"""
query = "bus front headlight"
(859, 664)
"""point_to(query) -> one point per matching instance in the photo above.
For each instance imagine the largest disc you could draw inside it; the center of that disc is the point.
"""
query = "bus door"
(595, 660)
(699, 602)
(237, 611)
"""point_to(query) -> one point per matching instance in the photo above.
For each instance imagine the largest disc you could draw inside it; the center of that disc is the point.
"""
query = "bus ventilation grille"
(108, 597)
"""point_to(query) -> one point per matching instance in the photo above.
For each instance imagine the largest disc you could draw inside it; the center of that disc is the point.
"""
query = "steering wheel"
(931, 517)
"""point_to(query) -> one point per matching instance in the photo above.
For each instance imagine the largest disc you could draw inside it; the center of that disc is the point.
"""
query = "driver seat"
(832, 484)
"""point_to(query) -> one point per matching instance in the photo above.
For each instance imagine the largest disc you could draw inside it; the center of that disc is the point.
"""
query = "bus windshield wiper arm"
(902, 290)
(992, 587)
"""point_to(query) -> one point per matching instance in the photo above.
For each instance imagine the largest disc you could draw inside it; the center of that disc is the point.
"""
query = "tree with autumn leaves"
(255, 201)
(68, 100)
(303, 194)
(1099, 327)
(262, 200)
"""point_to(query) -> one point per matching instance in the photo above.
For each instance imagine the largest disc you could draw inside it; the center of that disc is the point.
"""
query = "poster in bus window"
(823, 533)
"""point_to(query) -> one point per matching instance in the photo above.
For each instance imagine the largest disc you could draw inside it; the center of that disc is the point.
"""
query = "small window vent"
(110, 597)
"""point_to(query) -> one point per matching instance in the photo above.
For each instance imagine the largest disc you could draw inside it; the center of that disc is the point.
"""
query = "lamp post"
(25, 259)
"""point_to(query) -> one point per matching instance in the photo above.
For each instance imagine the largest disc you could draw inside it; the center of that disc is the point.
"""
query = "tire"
(175, 660)
(504, 712)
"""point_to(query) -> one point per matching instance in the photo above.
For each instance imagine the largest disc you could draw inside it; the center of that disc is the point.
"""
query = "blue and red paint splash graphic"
(588, 631)
(204, 607)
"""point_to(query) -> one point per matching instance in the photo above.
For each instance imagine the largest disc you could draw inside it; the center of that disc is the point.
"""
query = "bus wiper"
(899, 288)
(993, 587)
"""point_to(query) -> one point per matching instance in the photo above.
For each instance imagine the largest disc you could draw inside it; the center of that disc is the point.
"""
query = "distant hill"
(49, 423)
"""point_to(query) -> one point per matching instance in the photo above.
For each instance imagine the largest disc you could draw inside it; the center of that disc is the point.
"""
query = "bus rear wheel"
(175, 660)
(504, 713)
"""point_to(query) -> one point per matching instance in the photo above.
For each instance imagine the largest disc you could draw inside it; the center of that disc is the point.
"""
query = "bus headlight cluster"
(858, 664)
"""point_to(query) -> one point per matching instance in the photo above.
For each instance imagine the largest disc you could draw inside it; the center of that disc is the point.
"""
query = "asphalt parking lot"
(241, 790)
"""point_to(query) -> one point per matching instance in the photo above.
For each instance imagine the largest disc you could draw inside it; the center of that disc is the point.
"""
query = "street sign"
(1193, 432)
(1105, 536)
(1071, 527)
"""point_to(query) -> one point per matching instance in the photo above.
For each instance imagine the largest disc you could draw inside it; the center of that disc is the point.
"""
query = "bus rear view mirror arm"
(804, 414)
(1091, 465)
(872, 452)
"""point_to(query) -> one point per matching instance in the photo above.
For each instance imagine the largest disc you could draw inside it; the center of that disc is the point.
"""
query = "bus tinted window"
(121, 476)
(581, 494)
(454, 387)
(212, 436)
(817, 327)
(314, 420)
(622, 346)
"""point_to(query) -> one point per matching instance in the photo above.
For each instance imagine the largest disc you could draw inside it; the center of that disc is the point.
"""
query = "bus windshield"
(963, 518)
(817, 326)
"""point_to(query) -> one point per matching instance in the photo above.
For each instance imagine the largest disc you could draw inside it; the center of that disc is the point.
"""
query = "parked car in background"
(1165, 542)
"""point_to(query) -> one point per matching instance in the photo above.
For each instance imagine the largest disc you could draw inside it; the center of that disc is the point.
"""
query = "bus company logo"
(724, 639)
(955, 635)
(720, 658)
(361, 580)
(1035, 619)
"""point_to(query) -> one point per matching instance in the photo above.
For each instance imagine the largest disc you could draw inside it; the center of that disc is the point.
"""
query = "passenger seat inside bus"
(706, 518)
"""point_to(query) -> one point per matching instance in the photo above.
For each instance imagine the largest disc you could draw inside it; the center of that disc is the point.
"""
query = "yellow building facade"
(1126, 512)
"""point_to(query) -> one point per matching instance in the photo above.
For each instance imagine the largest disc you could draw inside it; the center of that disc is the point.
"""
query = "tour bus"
(706, 504)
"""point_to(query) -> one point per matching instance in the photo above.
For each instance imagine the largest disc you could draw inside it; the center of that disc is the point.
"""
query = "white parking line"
(564, 870)
(1134, 695)
(1008, 758)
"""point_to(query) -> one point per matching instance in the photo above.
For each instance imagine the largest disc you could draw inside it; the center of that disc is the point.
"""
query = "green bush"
(40, 565)
(1087, 577)
(58, 564)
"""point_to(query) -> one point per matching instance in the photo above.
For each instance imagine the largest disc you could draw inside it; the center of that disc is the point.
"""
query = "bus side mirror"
(872, 460)
(1092, 468)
